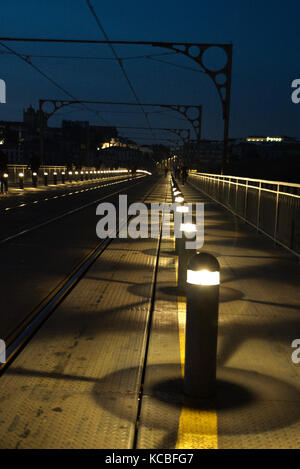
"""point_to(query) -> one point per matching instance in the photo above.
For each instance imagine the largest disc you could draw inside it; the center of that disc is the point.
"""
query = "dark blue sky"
(266, 58)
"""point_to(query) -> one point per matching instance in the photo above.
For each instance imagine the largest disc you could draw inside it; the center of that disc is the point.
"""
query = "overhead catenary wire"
(120, 62)
(50, 79)
(110, 43)
(85, 57)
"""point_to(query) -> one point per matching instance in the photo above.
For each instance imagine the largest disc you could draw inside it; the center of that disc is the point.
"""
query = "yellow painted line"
(198, 429)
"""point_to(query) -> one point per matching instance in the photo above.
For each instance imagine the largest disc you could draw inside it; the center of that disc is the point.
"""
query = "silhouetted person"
(184, 174)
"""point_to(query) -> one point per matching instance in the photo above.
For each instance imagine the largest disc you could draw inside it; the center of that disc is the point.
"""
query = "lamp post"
(202, 305)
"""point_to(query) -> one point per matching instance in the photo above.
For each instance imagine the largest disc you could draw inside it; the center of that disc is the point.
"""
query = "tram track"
(21, 335)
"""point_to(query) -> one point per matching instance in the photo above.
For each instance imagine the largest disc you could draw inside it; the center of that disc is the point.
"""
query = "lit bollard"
(21, 180)
(63, 177)
(202, 305)
(5, 182)
(45, 179)
(175, 193)
(76, 176)
(183, 253)
(70, 176)
(180, 209)
(34, 179)
(55, 178)
(179, 199)
(81, 175)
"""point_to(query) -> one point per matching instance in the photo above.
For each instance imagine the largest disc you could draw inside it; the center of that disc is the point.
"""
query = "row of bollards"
(199, 280)
(69, 176)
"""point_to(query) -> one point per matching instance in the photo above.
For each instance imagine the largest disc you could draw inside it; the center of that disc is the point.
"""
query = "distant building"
(266, 147)
(273, 139)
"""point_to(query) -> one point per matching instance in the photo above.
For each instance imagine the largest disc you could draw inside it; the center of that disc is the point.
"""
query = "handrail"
(270, 209)
(264, 181)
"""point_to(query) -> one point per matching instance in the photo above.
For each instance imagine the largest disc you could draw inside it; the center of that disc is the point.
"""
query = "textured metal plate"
(76, 384)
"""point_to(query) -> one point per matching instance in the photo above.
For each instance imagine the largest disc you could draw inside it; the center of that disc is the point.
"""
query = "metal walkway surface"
(258, 401)
(106, 369)
(68, 387)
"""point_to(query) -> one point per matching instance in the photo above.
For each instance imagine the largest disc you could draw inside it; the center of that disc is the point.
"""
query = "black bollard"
(21, 180)
(202, 305)
(34, 179)
(63, 177)
(46, 179)
(183, 253)
(5, 182)
(55, 178)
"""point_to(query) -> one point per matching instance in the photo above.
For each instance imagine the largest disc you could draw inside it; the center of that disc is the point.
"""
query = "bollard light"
(5, 182)
(182, 209)
(21, 180)
(202, 305)
(203, 277)
(188, 227)
(34, 179)
(63, 177)
(183, 253)
(46, 178)
(55, 177)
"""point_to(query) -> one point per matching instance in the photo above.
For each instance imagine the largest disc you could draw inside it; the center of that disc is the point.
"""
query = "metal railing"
(272, 207)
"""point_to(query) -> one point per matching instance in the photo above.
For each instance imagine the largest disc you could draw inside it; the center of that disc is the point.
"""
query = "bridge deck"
(80, 382)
